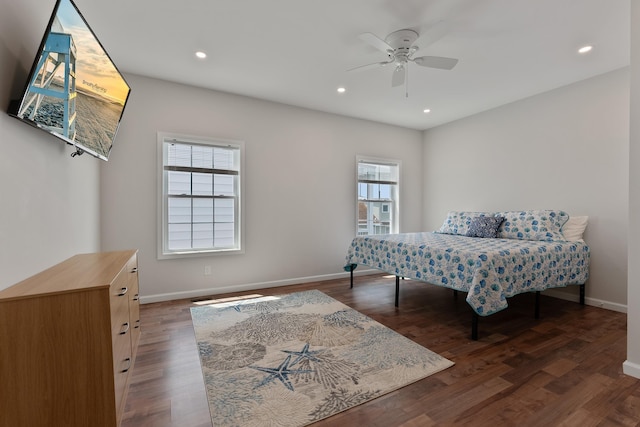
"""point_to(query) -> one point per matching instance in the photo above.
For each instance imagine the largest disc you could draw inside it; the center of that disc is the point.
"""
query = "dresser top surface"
(80, 272)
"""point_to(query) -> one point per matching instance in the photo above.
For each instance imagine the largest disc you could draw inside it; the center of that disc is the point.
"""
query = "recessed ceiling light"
(341, 90)
(200, 54)
(426, 110)
(585, 49)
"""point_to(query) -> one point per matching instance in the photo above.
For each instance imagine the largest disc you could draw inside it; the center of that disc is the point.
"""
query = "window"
(378, 191)
(200, 196)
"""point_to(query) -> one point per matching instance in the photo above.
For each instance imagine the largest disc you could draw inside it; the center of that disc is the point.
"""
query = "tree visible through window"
(377, 196)
(200, 196)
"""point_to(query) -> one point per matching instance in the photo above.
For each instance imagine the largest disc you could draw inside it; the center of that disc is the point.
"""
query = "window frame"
(394, 208)
(162, 190)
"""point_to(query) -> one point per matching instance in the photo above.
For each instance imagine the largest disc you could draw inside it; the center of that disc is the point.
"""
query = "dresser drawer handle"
(128, 359)
(137, 324)
(136, 297)
(134, 270)
(124, 329)
(123, 292)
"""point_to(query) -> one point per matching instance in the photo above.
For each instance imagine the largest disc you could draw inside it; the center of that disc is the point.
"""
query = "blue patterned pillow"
(485, 226)
(458, 222)
(542, 225)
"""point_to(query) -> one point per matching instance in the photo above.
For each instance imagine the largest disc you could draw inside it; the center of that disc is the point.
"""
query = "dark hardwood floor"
(564, 369)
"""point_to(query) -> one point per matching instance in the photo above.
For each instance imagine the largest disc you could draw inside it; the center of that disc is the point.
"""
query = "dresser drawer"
(120, 293)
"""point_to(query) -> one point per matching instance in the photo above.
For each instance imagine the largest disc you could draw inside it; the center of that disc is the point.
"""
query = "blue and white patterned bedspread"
(490, 270)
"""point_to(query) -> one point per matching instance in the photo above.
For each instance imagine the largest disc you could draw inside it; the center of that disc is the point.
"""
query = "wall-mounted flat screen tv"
(74, 90)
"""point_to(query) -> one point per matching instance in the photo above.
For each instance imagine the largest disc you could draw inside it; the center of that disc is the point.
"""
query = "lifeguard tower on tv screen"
(54, 77)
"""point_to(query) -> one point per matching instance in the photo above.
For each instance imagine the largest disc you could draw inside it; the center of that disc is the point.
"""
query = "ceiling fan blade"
(376, 42)
(398, 76)
(369, 66)
(436, 62)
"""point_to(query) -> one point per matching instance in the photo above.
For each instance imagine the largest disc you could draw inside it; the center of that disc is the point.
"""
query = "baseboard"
(594, 302)
(631, 369)
(555, 293)
(249, 286)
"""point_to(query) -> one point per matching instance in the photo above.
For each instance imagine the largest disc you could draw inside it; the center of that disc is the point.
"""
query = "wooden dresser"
(68, 339)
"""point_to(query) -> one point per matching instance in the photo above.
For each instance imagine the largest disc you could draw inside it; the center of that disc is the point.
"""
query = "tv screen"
(74, 91)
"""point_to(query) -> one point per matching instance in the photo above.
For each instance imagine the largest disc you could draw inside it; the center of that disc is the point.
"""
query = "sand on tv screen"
(74, 90)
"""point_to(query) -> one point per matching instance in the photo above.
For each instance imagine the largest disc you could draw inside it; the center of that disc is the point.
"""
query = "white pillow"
(572, 230)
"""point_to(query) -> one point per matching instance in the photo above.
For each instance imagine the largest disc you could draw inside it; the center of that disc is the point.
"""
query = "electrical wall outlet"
(207, 270)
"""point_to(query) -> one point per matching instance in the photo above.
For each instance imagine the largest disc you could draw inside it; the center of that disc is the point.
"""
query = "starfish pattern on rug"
(305, 353)
(281, 373)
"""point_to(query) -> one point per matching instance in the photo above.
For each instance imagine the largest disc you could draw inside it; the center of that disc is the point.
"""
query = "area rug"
(291, 360)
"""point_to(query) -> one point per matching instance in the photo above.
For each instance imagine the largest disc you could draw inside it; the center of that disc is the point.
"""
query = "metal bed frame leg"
(474, 326)
(350, 269)
(537, 310)
(397, 289)
(351, 277)
(582, 294)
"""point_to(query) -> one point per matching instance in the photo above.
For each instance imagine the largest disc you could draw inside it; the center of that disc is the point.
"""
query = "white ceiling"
(297, 51)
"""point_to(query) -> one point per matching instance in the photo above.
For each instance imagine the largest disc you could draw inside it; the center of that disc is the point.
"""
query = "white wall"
(299, 186)
(565, 149)
(632, 364)
(50, 204)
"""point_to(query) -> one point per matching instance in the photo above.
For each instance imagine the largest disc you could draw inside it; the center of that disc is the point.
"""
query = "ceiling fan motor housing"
(402, 39)
(402, 43)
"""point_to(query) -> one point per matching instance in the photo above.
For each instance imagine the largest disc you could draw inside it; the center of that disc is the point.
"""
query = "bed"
(521, 251)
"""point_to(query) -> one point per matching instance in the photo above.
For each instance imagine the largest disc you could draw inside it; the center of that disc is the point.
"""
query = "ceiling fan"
(400, 49)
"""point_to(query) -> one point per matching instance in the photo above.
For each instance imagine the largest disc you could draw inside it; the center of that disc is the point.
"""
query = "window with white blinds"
(378, 190)
(201, 196)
